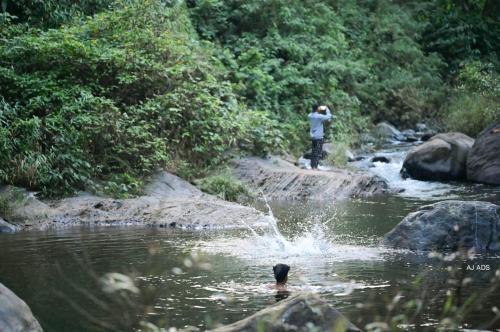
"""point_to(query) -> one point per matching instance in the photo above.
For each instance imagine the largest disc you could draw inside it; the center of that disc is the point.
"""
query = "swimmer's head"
(281, 273)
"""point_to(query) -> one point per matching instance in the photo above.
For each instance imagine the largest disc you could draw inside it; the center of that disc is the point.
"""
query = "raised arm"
(323, 117)
(328, 115)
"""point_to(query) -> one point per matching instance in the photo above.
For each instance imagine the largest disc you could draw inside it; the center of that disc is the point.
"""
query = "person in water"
(281, 276)
(318, 115)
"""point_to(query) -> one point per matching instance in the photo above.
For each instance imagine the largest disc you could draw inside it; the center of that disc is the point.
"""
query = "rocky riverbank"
(279, 179)
(168, 202)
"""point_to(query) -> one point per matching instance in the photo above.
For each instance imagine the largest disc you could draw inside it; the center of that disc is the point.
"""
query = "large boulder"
(387, 132)
(443, 157)
(483, 162)
(15, 315)
(449, 225)
(302, 312)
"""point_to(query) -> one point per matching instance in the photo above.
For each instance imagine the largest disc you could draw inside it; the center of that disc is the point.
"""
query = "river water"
(217, 277)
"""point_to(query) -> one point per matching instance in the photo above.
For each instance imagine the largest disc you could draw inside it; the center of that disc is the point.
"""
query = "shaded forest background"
(97, 94)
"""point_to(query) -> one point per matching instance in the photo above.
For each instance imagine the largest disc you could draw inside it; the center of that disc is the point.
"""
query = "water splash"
(311, 246)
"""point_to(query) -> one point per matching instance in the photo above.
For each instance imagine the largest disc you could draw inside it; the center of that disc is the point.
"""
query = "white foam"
(412, 188)
(312, 246)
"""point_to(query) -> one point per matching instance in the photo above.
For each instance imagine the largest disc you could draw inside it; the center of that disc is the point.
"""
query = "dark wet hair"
(281, 272)
(315, 107)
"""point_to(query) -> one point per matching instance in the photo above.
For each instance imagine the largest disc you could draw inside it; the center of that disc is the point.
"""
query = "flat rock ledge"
(15, 315)
(169, 202)
(298, 313)
(449, 226)
(279, 179)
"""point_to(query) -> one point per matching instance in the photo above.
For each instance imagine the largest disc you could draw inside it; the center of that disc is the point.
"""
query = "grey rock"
(15, 315)
(424, 132)
(6, 227)
(421, 127)
(303, 163)
(381, 159)
(387, 132)
(164, 184)
(171, 202)
(424, 137)
(449, 225)
(408, 132)
(350, 156)
(483, 161)
(281, 180)
(411, 139)
(299, 313)
(443, 157)
(367, 139)
(410, 135)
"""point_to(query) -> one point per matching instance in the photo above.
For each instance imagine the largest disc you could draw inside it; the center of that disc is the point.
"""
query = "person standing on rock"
(316, 119)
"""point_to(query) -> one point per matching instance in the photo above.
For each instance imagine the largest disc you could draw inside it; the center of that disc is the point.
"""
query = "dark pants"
(317, 151)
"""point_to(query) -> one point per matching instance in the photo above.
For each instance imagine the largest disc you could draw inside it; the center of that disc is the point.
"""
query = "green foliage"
(5, 208)
(339, 155)
(225, 186)
(402, 84)
(10, 197)
(96, 94)
(353, 55)
(461, 31)
(102, 103)
(51, 13)
(285, 56)
(475, 103)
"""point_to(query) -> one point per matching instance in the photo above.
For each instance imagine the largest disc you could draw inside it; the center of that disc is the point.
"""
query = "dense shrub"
(362, 58)
(475, 102)
(225, 186)
(285, 56)
(52, 13)
(461, 31)
(96, 94)
(403, 83)
(113, 98)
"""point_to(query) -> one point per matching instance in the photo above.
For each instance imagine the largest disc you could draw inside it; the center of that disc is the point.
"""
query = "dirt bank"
(281, 180)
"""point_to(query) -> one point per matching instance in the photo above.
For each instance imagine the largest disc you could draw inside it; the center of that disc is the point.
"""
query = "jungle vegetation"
(97, 94)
